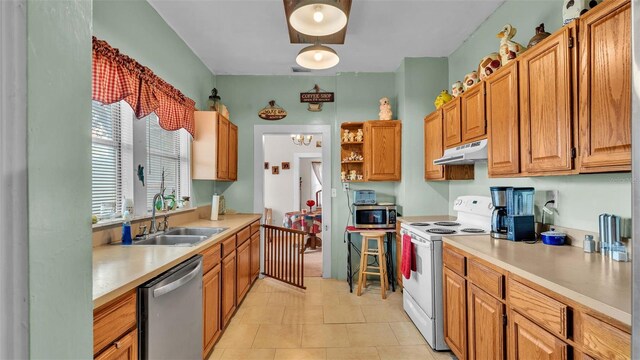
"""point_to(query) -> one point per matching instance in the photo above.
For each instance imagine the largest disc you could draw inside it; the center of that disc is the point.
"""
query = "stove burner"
(472, 230)
(419, 224)
(446, 223)
(441, 231)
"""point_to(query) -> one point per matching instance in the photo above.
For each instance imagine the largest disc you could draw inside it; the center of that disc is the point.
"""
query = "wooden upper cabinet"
(223, 147)
(434, 149)
(474, 123)
(451, 116)
(546, 105)
(454, 299)
(605, 87)
(486, 326)
(527, 341)
(383, 143)
(433, 146)
(233, 152)
(214, 154)
(503, 121)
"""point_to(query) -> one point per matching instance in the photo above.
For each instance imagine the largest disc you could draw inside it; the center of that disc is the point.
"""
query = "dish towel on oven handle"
(408, 257)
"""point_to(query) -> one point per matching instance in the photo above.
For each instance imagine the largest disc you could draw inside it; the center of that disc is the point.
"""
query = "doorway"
(308, 187)
(282, 187)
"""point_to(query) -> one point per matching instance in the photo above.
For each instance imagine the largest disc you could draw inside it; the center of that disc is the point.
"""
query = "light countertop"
(118, 269)
(589, 279)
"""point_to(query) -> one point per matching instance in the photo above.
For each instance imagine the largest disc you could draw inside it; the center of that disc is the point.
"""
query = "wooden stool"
(365, 252)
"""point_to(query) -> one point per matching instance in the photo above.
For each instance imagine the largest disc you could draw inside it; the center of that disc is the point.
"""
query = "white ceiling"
(250, 36)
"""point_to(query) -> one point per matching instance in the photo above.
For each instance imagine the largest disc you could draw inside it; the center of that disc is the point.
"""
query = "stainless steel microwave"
(374, 216)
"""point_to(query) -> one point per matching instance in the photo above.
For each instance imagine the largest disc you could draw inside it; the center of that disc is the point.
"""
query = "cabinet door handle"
(117, 344)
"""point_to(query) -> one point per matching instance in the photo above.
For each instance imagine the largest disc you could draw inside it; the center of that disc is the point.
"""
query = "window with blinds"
(106, 155)
(164, 152)
(112, 156)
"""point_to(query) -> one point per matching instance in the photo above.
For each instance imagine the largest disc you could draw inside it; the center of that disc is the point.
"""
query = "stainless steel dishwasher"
(170, 313)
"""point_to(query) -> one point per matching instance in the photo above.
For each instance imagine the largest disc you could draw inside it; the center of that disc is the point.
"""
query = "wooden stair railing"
(283, 259)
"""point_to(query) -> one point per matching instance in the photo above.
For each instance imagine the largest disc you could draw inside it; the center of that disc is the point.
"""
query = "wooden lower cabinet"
(486, 325)
(542, 325)
(124, 349)
(211, 290)
(528, 341)
(228, 287)
(455, 312)
(255, 256)
(113, 326)
(243, 271)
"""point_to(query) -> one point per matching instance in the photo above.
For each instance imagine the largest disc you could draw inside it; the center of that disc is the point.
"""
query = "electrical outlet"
(334, 193)
(345, 186)
(552, 195)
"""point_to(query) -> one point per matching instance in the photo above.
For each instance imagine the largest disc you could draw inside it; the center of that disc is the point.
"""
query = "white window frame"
(134, 153)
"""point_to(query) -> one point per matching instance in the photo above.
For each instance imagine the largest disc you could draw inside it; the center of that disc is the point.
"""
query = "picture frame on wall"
(266, 165)
(286, 166)
(275, 170)
(318, 143)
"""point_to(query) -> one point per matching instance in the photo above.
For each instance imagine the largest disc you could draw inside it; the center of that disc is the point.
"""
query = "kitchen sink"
(208, 232)
(181, 236)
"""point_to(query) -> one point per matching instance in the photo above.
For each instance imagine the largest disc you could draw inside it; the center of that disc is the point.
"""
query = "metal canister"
(603, 230)
(589, 245)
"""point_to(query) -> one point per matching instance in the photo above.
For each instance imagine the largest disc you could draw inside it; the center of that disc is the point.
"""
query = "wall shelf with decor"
(370, 151)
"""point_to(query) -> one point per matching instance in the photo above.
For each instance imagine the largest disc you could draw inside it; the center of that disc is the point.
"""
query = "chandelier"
(301, 139)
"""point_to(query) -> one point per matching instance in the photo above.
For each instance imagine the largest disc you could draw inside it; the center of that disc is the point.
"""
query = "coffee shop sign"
(316, 97)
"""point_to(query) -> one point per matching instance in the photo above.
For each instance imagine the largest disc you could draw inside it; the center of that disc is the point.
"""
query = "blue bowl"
(553, 238)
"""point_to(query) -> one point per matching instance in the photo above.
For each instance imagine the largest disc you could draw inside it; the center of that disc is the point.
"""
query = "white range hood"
(464, 154)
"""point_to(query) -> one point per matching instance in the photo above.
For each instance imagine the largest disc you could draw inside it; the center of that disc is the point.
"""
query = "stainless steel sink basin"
(172, 240)
(181, 236)
(208, 232)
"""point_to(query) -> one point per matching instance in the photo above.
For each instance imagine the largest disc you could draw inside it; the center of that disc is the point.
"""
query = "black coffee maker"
(499, 215)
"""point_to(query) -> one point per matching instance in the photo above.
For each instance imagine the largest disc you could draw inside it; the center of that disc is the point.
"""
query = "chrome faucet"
(154, 225)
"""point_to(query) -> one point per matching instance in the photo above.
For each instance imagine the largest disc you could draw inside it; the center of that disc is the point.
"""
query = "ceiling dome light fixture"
(317, 57)
(318, 17)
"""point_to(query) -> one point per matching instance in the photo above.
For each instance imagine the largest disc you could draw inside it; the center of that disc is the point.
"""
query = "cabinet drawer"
(545, 311)
(485, 278)
(228, 245)
(113, 320)
(210, 257)
(453, 261)
(602, 339)
(244, 235)
(255, 227)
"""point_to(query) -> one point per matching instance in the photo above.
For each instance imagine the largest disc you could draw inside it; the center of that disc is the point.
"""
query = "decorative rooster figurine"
(509, 49)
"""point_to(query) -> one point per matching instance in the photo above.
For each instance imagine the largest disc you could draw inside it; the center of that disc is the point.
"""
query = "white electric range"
(422, 294)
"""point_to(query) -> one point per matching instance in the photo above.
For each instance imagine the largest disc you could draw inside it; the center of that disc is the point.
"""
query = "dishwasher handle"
(178, 283)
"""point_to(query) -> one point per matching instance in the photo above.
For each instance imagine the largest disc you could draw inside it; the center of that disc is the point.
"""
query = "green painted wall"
(357, 97)
(59, 167)
(420, 80)
(134, 27)
(524, 15)
(582, 197)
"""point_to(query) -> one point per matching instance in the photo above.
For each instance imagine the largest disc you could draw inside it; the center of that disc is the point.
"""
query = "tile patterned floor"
(279, 322)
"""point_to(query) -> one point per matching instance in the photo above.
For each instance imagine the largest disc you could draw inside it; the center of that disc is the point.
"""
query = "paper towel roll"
(215, 205)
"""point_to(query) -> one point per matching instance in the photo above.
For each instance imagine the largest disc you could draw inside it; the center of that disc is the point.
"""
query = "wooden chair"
(268, 216)
(378, 237)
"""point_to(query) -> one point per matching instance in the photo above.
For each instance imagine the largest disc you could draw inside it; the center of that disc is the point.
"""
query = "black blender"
(499, 215)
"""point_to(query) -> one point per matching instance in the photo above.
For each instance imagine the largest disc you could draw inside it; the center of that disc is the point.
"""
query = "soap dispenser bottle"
(126, 229)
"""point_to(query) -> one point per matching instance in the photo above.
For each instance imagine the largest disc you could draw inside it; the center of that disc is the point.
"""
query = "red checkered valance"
(118, 77)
